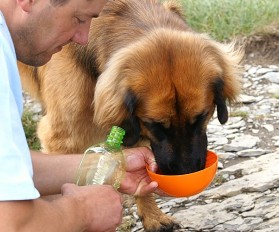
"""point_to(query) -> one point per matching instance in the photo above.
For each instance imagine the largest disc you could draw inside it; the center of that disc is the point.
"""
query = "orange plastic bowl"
(188, 184)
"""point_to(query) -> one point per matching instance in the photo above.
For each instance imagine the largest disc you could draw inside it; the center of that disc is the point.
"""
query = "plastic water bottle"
(103, 163)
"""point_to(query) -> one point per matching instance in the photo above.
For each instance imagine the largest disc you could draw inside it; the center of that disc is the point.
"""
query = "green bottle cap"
(115, 137)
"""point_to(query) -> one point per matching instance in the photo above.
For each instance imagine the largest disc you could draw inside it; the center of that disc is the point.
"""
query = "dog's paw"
(153, 219)
(163, 223)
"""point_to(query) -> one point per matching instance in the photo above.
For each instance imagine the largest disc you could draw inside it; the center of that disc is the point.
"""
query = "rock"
(251, 152)
(272, 77)
(241, 143)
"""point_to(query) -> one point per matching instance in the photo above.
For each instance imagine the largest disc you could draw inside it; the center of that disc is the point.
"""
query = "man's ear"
(26, 5)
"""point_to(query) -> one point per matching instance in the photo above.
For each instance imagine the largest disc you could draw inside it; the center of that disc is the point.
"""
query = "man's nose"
(81, 35)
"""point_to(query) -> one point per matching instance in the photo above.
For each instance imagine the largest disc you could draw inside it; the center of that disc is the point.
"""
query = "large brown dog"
(145, 70)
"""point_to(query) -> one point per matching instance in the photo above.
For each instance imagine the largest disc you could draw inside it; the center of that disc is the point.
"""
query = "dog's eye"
(164, 123)
(197, 124)
(200, 118)
(147, 120)
(156, 129)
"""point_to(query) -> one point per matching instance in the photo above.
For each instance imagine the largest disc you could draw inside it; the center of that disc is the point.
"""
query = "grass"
(242, 114)
(226, 19)
(30, 127)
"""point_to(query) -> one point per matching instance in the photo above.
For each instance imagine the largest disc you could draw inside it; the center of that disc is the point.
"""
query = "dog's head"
(165, 88)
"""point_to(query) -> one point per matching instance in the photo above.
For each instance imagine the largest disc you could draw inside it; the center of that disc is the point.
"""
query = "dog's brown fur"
(145, 70)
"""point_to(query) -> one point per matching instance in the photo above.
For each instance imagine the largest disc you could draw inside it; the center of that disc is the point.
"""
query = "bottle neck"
(115, 138)
(113, 144)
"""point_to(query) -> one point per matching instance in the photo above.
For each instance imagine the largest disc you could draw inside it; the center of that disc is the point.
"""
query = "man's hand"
(136, 180)
(101, 204)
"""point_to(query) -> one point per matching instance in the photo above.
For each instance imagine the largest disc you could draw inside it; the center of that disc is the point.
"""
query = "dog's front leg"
(153, 219)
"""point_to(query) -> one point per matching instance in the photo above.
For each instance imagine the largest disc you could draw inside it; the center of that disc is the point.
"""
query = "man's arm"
(40, 215)
(90, 208)
(52, 171)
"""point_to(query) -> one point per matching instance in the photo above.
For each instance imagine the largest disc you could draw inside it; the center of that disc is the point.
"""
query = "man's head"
(40, 28)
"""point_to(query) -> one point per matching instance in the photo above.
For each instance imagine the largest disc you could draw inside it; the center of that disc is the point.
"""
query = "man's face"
(48, 28)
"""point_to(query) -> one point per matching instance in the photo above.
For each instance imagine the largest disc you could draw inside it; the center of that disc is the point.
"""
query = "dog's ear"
(114, 102)
(228, 85)
(220, 101)
(109, 98)
(131, 124)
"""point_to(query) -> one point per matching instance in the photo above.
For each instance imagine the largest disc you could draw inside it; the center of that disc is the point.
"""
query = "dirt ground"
(262, 48)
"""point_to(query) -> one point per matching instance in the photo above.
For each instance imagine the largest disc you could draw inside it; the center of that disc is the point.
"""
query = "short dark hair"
(58, 2)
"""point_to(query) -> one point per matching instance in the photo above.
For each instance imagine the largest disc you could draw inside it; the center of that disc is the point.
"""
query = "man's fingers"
(145, 189)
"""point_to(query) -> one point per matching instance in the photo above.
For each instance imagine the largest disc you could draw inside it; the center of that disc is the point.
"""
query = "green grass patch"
(218, 180)
(30, 127)
(227, 19)
(242, 114)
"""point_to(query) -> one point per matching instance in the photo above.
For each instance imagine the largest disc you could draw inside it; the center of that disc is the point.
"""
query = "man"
(31, 31)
